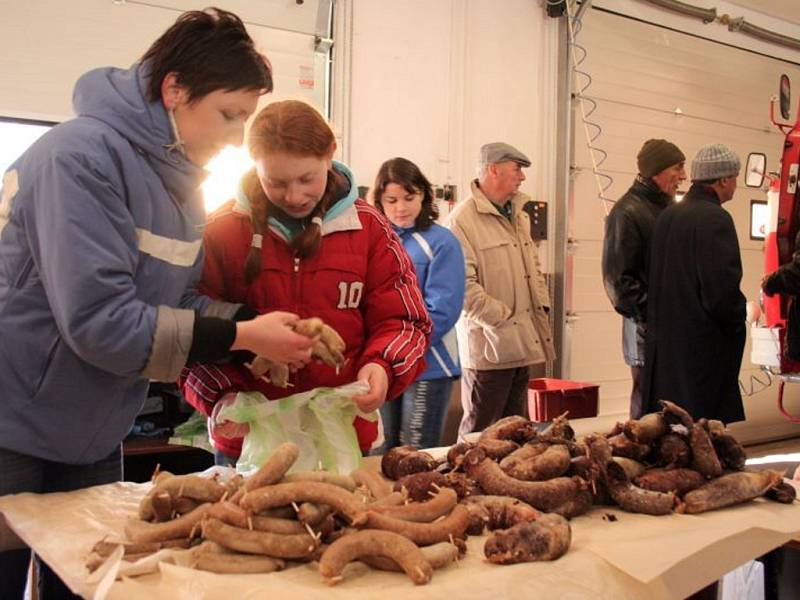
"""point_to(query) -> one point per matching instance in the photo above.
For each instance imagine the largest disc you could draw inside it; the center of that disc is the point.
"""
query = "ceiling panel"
(788, 10)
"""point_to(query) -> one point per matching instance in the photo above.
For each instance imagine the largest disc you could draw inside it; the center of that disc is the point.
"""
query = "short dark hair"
(405, 173)
(208, 50)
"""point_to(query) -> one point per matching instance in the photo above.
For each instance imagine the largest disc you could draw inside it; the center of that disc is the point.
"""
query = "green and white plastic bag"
(193, 432)
(319, 421)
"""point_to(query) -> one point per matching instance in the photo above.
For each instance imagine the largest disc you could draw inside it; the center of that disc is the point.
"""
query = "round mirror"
(785, 95)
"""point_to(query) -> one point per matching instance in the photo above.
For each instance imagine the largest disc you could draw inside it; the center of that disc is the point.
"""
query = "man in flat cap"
(504, 326)
(626, 248)
(695, 309)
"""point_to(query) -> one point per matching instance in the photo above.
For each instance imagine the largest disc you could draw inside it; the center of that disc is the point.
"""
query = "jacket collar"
(648, 189)
(484, 205)
(700, 191)
(343, 216)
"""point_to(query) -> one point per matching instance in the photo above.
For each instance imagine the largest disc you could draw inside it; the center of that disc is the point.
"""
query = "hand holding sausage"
(271, 336)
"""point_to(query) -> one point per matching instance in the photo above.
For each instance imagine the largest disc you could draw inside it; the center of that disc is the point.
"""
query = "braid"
(258, 218)
(307, 242)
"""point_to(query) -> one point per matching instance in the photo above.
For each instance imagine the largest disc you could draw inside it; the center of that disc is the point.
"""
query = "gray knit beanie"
(715, 161)
(657, 155)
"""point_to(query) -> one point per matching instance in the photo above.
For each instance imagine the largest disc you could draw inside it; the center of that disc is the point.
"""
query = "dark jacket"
(626, 260)
(696, 312)
(786, 281)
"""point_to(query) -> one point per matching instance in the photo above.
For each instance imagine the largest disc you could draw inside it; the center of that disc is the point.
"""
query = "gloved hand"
(768, 284)
(222, 428)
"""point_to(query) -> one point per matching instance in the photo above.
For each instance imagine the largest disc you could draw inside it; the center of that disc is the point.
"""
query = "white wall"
(716, 30)
(433, 80)
(45, 45)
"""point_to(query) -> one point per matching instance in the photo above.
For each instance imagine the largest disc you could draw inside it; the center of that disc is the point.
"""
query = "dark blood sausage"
(646, 429)
(455, 455)
(679, 481)
(497, 512)
(533, 462)
(621, 445)
(547, 538)
(704, 457)
(421, 486)
(730, 489)
(783, 493)
(635, 499)
(730, 452)
(544, 495)
(405, 460)
(675, 414)
(515, 428)
(672, 451)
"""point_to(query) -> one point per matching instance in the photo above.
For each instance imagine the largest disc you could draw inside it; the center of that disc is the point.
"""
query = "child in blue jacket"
(405, 196)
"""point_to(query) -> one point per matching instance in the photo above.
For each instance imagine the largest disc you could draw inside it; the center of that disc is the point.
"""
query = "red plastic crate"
(549, 398)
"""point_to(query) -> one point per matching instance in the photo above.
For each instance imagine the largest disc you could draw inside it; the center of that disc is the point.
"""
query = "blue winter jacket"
(439, 262)
(100, 247)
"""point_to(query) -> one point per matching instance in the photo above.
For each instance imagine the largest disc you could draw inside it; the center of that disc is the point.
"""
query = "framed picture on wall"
(759, 219)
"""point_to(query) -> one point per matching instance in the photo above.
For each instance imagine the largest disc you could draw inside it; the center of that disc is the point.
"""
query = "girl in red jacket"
(297, 238)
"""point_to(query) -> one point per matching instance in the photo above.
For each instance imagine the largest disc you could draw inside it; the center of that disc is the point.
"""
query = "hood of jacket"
(118, 98)
(341, 205)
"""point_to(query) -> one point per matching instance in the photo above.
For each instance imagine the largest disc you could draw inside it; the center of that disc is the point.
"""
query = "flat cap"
(498, 152)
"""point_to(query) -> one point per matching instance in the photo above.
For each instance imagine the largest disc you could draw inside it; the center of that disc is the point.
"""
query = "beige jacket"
(503, 324)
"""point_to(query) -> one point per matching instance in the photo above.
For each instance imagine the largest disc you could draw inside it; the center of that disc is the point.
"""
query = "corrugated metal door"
(651, 82)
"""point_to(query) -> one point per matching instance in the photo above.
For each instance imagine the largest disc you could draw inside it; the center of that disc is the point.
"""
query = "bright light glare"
(774, 458)
(226, 169)
(16, 138)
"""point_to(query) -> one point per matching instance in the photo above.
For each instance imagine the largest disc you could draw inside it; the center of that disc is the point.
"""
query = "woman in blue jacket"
(100, 248)
(405, 196)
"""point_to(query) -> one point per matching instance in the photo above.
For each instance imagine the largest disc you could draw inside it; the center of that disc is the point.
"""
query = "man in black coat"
(626, 248)
(696, 312)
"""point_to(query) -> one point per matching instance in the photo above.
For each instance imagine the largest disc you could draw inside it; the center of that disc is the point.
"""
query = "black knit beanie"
(657, 155)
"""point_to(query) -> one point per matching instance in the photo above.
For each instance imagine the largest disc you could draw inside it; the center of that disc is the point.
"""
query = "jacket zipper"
(296, 276)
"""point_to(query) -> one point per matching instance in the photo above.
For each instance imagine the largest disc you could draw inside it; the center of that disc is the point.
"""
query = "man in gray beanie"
(696, 311)
(626, 248)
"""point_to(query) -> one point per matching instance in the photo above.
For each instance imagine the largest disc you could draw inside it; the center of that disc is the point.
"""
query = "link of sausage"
(343, 481)
(393, 499)
(192, 486)
(258, 542)
(141, 531)
(424, 534)
(280, 494)
(216, 562)
(369, 542)
(274, 468)
(373, 481)
(438, 555)
(313, 514)
(544, 495)
(547, 538)
(422, 512)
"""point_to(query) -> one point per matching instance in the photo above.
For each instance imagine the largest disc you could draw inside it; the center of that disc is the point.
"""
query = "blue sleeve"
(84, 245)
(192, 298)
(443, 288)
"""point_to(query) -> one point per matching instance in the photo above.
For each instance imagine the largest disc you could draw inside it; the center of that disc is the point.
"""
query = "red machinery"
(783, 199)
